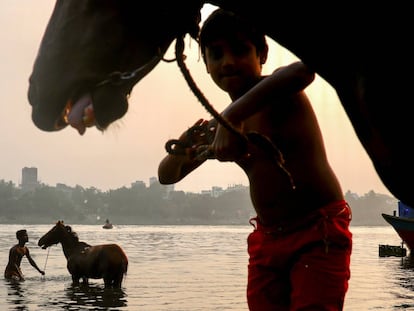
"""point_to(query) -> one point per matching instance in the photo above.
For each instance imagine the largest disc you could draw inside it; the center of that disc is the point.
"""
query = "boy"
(16, 254)
(299, 250)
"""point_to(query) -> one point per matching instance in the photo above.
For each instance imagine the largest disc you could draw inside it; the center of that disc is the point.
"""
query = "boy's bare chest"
(266, 123)
(259, 122)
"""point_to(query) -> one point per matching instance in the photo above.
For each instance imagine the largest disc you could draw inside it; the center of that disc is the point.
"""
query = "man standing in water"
(13, 271)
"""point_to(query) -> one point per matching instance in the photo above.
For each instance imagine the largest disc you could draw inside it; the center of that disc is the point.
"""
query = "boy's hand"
(193, 141)
(200, 133)
(227, 146)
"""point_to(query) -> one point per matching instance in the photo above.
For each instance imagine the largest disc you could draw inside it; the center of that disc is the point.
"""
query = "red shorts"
(301, 265)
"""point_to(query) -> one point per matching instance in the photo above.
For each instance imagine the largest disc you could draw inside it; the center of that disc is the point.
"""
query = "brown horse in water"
(360, 48)
(84, 261)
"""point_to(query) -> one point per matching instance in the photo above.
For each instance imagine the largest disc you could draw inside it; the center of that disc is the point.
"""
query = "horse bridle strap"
(118, 77)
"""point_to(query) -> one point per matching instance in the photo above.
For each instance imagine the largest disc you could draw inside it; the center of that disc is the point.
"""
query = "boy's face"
(234, 64)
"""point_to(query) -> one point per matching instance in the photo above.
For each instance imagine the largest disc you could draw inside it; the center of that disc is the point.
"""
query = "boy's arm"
(282, 82)
(175, 167)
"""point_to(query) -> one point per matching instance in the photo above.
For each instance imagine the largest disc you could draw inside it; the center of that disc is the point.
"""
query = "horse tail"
(125, 265)
(124, 261)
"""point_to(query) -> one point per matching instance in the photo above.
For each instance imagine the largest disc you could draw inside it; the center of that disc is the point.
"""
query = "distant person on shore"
(300, 248)
(16, 253)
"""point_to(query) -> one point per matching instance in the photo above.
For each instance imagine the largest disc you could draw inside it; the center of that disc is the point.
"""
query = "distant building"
(29, 179)
(238, 187)
(64, 188)
(153, 180)
(206, 192)
(139, 184)
(168, 189)
(216, 191)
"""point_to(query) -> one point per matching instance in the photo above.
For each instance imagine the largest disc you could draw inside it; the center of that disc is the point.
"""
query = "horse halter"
(118, 77)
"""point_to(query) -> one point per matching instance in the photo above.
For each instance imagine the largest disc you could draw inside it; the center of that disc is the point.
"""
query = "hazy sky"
(161, 107)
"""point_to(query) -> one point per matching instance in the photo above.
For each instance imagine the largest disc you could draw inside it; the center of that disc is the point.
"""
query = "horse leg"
(117, 280)
(108, 282)
(113, 281)
(75, 280)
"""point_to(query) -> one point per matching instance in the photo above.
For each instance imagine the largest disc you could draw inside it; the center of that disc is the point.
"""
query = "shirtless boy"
(300, 248)
(13, 271)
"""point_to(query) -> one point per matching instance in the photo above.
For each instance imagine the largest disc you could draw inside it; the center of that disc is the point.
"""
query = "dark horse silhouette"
(107, 261)
(360, 48)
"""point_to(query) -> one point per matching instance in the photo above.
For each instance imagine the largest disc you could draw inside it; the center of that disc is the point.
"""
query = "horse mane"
(74, 236)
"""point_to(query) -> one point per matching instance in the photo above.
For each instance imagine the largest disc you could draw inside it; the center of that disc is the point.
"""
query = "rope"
(179, 53)
(47, 256)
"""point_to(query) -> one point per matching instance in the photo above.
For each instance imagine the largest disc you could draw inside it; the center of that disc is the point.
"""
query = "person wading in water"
(13, 271)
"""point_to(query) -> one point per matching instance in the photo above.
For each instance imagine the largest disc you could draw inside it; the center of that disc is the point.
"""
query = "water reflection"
(94, 296)
(405, 278)
(407, 262)
(16, 295)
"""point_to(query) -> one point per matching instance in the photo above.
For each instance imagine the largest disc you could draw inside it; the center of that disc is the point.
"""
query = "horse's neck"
(69, 246)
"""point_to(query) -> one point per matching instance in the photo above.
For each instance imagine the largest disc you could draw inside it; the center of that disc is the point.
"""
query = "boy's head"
(222, 24)
(20, 234)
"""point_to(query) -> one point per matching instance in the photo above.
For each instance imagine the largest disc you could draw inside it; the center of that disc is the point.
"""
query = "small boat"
(403, 224)
(107, 225)
(390, 250)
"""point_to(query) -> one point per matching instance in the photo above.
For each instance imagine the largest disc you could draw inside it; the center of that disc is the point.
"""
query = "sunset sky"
(161, 107)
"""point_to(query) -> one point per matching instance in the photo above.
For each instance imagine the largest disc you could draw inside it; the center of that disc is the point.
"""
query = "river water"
(189, 268)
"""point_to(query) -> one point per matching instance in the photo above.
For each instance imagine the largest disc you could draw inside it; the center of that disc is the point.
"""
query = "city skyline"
(161, 107)
(32, 173)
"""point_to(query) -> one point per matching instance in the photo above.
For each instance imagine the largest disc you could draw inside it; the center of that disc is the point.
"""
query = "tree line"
(153, 205)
